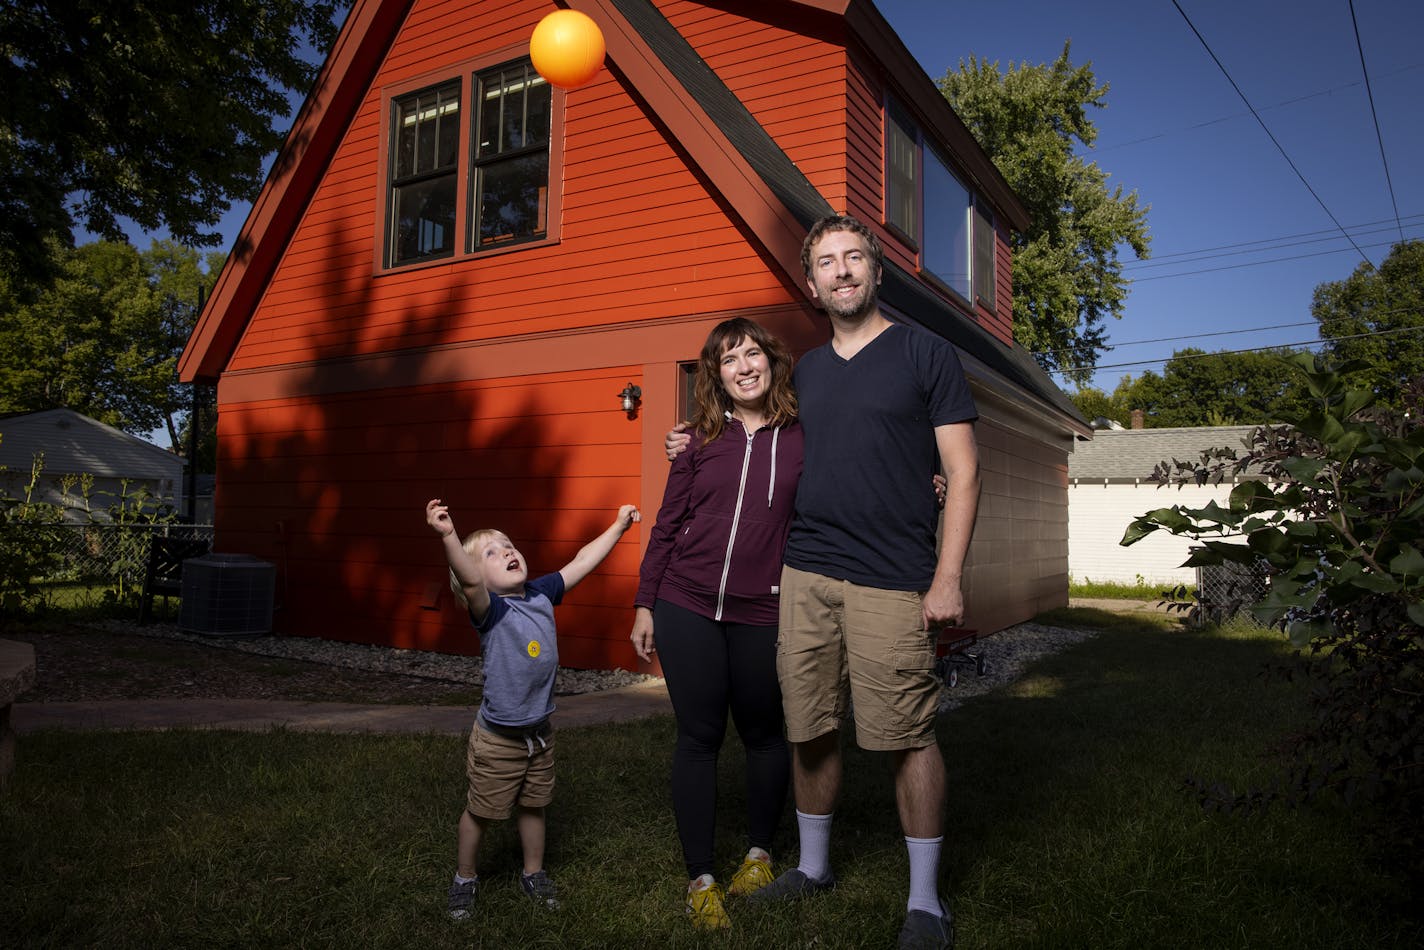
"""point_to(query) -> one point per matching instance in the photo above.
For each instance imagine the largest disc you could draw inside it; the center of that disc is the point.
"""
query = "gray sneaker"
(791, 885)
(926, 931)
(540, 889)
(462, 898)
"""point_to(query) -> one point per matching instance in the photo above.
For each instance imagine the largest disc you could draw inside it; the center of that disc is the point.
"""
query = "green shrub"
(1337, 528)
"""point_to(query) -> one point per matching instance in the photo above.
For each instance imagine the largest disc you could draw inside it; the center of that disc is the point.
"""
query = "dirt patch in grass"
(76, 664)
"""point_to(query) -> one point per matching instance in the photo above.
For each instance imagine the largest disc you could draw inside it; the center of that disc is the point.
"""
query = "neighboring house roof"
(74, 444)
(760, 183)
(1129, 455)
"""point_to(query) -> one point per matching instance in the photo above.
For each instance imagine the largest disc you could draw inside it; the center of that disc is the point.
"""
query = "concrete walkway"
(586, 709)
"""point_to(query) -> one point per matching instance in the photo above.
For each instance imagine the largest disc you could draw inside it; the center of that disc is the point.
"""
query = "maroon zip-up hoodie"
(716, 547)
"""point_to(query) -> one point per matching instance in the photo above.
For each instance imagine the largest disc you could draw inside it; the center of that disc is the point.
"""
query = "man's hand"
(943, 605)
(677, 440)
(437, 515)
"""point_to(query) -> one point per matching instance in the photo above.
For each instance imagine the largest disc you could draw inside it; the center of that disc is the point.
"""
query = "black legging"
(711, 666)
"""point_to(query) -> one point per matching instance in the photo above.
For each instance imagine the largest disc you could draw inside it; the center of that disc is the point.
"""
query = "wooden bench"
(164, 577)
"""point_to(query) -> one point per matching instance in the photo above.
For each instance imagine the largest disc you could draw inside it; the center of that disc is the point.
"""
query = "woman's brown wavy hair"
(710, 399)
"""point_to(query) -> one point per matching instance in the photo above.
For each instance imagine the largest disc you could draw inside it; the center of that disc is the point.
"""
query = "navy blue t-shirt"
(865, 509)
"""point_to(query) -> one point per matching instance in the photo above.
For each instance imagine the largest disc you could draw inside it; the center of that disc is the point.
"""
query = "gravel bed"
(443, 667)
(1005, 654)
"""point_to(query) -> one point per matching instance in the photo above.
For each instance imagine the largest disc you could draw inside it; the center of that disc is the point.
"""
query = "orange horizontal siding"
(332, 489)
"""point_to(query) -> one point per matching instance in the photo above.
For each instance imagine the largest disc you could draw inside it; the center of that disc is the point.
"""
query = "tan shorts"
(503, 773)
(840, 640)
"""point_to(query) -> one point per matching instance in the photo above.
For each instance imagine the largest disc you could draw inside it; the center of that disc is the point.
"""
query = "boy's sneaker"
(540, 889)
(792, 885)
(752, 876)
(462, 898)
(926, 931)
(704, 905)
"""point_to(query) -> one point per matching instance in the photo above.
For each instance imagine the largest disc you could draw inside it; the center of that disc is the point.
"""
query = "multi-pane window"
(456, 192)
(902, 198)
(424, 164)
(931, 206)
(510, 199)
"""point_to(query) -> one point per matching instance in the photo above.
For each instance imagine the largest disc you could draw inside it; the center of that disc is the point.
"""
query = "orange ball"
(567, 48)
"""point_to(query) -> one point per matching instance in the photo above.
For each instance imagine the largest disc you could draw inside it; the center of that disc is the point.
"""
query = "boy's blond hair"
(471, 544)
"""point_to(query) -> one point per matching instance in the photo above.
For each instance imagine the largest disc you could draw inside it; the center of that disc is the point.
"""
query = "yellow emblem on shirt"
(534, 648)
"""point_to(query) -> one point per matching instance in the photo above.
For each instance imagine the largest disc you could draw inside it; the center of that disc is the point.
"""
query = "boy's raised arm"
(593, 553)
(462, 566)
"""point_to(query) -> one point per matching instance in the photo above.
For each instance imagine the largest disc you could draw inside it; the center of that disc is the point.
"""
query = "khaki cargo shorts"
(504, 772)
(843, 645)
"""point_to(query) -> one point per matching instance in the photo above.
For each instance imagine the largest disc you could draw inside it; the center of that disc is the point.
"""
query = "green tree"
(104, 337)
(1197, 388)
(161, 112)
(1117, 407)
(1376, 318)
(1067, 275)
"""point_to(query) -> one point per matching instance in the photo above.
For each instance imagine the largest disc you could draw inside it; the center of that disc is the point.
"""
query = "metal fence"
(94, 553)
(1225, 591)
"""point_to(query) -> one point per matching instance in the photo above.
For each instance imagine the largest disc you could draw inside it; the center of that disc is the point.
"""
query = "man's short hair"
(841, 222)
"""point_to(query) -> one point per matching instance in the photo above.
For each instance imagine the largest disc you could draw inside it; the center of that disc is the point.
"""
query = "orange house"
(454, 271)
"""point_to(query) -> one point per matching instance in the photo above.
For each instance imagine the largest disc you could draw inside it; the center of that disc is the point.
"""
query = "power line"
(1099, 149)
(1158, 258)
(1068, 370)
(1264, 128)
(1375, 115)
(1203, 256)
(1273, 260)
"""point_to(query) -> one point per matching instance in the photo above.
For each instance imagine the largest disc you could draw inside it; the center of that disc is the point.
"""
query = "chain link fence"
(94, 553)
(1224, 591)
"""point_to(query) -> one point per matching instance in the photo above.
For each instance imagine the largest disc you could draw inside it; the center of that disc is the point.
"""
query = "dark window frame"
(464, 73)
(979, 287)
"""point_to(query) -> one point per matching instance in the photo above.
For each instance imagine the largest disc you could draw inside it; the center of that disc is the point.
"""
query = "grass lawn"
(1069, 827)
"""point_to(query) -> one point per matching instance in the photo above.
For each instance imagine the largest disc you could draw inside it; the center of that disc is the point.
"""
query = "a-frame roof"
(761, 184)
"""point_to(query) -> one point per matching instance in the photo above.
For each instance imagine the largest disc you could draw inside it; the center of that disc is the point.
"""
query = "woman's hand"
(642, 635)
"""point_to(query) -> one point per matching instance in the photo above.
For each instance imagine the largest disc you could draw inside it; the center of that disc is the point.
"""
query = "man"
(865, 589)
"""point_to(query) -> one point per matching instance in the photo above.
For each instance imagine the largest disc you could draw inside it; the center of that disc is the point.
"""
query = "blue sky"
(1175, 131)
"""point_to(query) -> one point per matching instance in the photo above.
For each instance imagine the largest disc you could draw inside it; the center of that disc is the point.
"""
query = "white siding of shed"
(1098, 515)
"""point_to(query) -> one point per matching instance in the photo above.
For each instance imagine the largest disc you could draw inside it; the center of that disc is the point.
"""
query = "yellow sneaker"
(704, 905)
(753, 875)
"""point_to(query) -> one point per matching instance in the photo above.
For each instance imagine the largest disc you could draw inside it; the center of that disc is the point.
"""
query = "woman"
(707, 598)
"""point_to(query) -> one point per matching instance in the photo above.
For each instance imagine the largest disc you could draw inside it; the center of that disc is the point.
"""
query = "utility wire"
(1203, 256)
(1379, 137)
(1099, 149)
(1252, 349)
(1158, 258)
(1264, 128)
(1273, 260)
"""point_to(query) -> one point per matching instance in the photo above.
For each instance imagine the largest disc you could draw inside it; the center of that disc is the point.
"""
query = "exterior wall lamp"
(631, 395)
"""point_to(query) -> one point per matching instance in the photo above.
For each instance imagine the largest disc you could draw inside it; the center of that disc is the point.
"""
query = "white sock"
(815, 832)
(924, 874)
(465, 880)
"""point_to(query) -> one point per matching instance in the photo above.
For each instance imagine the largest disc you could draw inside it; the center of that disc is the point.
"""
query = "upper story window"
(424, 160)
(511, 161)
(929, 205)
(454, 192)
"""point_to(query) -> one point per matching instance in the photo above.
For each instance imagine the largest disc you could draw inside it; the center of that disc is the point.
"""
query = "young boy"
(510, 758)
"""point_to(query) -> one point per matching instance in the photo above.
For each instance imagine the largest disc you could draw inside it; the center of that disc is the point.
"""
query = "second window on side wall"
(510, 197)
(929, 205)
